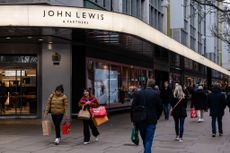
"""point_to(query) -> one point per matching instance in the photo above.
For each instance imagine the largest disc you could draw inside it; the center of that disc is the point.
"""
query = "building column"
(53, 75)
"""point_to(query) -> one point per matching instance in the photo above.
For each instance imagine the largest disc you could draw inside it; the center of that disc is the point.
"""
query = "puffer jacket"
(58, 104)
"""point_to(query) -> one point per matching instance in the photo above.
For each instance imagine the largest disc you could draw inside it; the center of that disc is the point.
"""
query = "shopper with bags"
(57, 106)
(86, 102)
(199, 102)
(179, 113)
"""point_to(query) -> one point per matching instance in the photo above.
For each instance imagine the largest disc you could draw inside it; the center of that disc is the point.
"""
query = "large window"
(18, 85)
(114, 83)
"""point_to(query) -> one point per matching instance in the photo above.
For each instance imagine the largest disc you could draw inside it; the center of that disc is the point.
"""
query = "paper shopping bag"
(46, 127)
(100, 120)
(66, 127)
(98, 112)
(193, 113)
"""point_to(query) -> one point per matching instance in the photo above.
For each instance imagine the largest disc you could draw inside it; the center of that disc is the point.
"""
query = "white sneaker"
(181, 140)
(177, 138)
(86, 142)
(96, 139)
(57, 141)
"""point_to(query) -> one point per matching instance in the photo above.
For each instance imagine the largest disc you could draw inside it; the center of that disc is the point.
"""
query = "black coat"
(151, 100)
(166, 95)
(216, 103)
(199, 100)
(180, 109)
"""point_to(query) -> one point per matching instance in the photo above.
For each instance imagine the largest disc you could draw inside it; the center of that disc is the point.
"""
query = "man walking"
(146, 110)
(217, 104)
(166, 97)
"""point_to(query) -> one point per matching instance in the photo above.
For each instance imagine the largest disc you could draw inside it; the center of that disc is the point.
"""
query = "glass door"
(18, 85)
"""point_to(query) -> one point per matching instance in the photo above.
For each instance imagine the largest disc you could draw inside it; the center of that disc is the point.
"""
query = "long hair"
(89, 90)
(178, 92)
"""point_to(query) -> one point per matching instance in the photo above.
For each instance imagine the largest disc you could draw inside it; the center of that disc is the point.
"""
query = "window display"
(18, 85)
(114, 83)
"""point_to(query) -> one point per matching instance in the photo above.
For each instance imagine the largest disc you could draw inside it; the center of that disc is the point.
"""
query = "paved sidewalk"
(24, 136)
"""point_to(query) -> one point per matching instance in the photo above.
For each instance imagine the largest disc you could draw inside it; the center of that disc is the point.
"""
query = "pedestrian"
(149, 100)
(179, 113)
(166, 97)
(57, 105)
(216, 104)
(199, 102)
(89, 101)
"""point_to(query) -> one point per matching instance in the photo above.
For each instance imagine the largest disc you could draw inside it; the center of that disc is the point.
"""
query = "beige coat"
(59, 104)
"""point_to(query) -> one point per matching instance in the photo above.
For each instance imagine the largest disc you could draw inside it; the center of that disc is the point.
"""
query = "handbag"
(100, 120)
(98, 112)
(66, 127)
(193, 113)
(84, 114)
(134, 136)
(139, 113)
(46, 127)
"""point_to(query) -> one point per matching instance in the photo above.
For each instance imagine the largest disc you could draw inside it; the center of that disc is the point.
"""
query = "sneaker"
(181, 140)
(177, 138)
(96, 139)
(220, 134)
(213, 135)
(57, 141)
(86, 142)
(202, 120)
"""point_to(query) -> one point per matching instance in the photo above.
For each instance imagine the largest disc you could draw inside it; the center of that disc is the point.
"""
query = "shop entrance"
(18, 85)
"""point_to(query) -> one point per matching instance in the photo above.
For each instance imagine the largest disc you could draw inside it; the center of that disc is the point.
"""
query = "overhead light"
(50, 46)
(40, 39)
(8, 38)
(29, 37)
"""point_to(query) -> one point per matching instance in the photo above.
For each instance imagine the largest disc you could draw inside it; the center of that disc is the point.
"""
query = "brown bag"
(84, 114)
(46, 127)
(100, 120)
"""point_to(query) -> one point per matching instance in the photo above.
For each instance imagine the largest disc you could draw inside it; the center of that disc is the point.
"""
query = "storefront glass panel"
(112, 83)
(18, 85)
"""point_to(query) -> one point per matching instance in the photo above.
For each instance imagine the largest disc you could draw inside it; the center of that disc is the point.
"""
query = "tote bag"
(98, 112)
(66, 127)
(134, 136)
(193, 113)
(100, 120)
(84, 114)
(46, 127)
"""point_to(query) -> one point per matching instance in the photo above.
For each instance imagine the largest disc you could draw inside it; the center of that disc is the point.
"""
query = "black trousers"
(86, 125)
(57, 123)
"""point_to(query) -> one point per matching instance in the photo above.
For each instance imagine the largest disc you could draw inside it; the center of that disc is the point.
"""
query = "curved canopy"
(70, 17)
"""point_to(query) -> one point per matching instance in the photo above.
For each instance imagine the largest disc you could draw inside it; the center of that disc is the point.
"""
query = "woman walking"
(57, 105)
(88, 101)
(179, 104)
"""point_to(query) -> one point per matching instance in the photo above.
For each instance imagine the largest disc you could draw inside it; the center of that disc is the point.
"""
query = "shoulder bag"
(175, 106)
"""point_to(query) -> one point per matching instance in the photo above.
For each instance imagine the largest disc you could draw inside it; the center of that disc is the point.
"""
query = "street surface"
(24, 136)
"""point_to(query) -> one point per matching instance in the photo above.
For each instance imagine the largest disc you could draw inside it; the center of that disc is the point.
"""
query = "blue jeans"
(166, 108)
(219, 121)
(147, 132)
(179, 126)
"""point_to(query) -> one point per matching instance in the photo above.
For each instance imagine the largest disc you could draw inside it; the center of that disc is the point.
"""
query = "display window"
(114, 83)
(18, 85)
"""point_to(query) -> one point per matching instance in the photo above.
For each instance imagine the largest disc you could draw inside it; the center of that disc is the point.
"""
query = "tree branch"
(209, 3)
